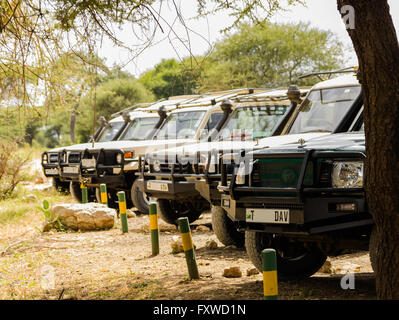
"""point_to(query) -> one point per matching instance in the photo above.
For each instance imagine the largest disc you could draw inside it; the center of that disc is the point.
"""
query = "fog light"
(346, 207)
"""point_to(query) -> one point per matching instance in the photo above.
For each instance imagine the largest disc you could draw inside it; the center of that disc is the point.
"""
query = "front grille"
(74, 158)
(106, 158)
(178, 168)
(280, 173)
(53, 158)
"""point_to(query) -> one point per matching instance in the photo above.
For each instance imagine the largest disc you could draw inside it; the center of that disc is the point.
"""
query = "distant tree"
(110, 97)
(170, 78)
(270, 55)
(31, 129)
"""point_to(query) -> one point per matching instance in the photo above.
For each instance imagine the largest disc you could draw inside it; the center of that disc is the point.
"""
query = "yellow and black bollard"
(154, 228)
(122, 211)
(188, 247)
(103, 194)
(85, 196)
(269, 266)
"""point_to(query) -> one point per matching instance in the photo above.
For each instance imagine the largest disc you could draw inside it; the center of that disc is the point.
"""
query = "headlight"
(243, 171)
(240, 177)
(156, 165)
(119, 158)
(347, 174)
(45, 158)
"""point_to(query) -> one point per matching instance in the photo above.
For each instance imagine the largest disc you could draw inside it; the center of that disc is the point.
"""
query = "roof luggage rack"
(212, 98)
(329, 74)
(137, 105)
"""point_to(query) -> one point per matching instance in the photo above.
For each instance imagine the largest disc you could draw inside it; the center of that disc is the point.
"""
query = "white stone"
(88, 216)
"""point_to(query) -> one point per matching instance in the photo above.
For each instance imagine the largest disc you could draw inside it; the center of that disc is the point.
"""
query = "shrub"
(11, 163)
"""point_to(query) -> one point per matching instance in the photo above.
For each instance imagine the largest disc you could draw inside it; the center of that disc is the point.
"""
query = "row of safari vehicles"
(278, 168)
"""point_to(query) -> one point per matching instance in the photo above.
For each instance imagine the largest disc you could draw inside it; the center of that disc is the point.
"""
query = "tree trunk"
(72, 127)
(376, 45)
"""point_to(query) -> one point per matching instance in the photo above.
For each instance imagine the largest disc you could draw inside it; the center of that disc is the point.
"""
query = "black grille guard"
(142, 173)
(99, 157)
(300, 189)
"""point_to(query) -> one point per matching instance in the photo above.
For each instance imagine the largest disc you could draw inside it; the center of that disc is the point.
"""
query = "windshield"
(180, 125)
(324, 109)
(140, 129)
(248, 123)
(110, 131)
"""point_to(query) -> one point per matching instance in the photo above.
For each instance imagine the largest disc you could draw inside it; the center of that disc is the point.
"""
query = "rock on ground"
(130, 213)
(232, 272)
(211, 244)
(177, 245)
(88, 216)
(202, 228)
(252, 272)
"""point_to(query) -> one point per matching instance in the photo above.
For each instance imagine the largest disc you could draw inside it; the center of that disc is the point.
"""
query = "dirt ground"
(112, 265)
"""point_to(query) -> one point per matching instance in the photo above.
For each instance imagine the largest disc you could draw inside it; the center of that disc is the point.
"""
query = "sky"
(203, 33)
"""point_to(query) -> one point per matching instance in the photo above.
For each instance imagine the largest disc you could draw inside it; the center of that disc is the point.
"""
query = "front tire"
(76, 192)
(112, 198)
(171, 210)
(224, 228)
(294, 260)
(139, 199)
(60, 186)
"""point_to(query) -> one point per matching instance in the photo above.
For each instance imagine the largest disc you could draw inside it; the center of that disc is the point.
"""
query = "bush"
(11, 163)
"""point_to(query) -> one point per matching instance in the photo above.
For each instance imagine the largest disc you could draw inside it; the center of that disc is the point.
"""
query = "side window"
(213, 121)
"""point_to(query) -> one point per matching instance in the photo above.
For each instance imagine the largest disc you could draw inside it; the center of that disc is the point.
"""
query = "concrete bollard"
(188, 247)
(154, 228)
(103, 194)
(122, 211)
(269, 266)
(85, 195)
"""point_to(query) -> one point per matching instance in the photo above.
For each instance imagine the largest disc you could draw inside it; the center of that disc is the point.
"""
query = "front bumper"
(312, 210)
(92, 167)
(177, 183)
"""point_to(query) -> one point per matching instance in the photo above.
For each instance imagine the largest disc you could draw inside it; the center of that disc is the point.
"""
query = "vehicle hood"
(205, 147)
(128, 145)
(350, 142)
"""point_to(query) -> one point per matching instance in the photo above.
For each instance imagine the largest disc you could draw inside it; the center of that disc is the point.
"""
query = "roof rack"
(169, 104)
(137, 105)
(329, 73)
(212, 98)
(278, 94)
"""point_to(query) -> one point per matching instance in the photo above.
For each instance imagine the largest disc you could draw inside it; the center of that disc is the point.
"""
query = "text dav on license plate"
(268, 215)
(158, 186)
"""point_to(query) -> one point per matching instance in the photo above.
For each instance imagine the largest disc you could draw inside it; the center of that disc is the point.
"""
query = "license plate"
(157, 186)
(268, 215)
(71, 170)
(51, 171)
(89, 162)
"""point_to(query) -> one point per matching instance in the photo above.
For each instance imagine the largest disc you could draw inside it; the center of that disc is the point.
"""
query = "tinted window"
(180, 125)
(324, 109)
(140, 129)
(110, 131)
(249, 123)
